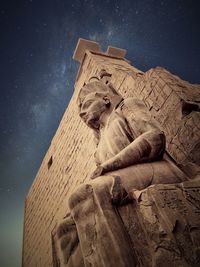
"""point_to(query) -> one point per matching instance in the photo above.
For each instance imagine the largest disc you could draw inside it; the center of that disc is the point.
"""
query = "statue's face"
(91, 110)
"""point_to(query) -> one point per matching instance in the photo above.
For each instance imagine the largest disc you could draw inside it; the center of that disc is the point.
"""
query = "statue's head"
(94, 99)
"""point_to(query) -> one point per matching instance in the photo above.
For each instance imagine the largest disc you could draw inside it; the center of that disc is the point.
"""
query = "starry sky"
(37, 40)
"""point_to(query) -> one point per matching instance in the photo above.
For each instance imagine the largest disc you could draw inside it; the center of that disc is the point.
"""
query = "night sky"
(37, 41)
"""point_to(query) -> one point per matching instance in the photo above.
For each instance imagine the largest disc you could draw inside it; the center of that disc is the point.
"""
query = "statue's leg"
(166, 172)
(140, 176)
(103, 239)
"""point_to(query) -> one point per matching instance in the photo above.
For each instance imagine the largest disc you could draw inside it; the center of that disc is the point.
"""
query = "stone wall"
(69, 159)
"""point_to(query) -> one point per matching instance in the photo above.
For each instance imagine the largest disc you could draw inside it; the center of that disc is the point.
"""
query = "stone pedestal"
(164, 225)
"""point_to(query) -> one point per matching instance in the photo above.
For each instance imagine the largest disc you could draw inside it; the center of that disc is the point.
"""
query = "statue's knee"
(102, 183)
(79, 195)
(84, 191)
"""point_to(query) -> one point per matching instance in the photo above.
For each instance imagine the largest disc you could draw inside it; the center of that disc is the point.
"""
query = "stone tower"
(163, 223)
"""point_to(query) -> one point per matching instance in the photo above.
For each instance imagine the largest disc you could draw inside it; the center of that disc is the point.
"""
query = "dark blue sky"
(37, 40)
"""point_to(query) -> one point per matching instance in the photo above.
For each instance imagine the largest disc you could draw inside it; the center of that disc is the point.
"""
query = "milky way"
(38, 73)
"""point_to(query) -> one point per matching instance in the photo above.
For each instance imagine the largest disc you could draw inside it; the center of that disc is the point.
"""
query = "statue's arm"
(149, 146)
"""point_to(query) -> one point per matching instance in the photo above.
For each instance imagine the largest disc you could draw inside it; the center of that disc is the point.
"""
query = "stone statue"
(130, 156)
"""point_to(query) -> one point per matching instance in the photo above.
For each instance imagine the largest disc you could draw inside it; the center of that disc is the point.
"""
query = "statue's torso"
(114, 137)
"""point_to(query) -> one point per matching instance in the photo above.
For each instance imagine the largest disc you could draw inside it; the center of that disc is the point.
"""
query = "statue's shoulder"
(134, 106)
(138, 116)
(133, 101)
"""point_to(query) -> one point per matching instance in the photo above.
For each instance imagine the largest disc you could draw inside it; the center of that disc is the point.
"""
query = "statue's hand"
(97, 172)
